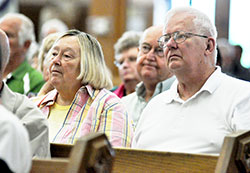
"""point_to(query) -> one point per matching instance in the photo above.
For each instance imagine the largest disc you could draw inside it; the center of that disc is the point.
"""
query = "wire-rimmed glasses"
(178, 36)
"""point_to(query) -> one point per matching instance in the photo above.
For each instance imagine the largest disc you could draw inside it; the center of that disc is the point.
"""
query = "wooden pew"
(132, 160)
(91, 153)
(235, 154)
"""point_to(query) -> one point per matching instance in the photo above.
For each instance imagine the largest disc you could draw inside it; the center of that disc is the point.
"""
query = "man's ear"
(210, 45)
(26, 44)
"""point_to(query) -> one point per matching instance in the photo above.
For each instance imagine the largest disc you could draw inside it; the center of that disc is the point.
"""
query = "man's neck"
(130, 86)
(189, 85)
(150, 89)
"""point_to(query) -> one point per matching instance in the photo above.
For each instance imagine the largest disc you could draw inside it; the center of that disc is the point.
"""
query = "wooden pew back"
(235, 153)
(234, 157)
(132, 160)
(91, 153)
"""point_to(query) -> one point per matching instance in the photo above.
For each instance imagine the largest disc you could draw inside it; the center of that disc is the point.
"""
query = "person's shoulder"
(161, 97)
(35, 73)
(129, 97)
(235, 83)
(108, 95)
(114, 88)
(109, 100)
(233, 87)
(7, 92)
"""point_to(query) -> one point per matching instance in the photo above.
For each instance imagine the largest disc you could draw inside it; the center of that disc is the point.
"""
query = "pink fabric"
(120, 91)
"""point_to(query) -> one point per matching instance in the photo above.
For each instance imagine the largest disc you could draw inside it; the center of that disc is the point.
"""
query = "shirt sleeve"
(37, 125)
(116, 123)
(241, 113)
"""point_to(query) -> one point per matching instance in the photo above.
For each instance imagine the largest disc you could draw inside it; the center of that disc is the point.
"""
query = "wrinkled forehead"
(68, 40)
(67, 43)
(179, 22)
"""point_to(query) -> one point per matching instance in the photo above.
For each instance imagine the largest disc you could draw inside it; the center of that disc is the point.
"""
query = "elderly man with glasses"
(203, 105)
(153, 71)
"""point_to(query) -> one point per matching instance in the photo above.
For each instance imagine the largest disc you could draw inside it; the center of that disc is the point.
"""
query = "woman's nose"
(56, 60)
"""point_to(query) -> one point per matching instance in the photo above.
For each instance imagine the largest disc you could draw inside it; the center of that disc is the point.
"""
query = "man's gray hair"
(26, 31)
(129, 39)
(203, 24)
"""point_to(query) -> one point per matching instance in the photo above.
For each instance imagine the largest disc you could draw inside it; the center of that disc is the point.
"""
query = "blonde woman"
(81, 102)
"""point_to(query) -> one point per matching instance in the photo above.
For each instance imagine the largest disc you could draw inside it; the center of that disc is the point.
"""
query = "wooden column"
(115, 12)
(222, 18)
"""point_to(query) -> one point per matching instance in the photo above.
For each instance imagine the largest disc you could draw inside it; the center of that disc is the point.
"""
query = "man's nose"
(171, 43)
(151, 54)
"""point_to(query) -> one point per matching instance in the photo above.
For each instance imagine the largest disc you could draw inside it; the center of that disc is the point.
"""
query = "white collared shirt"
(199, 124)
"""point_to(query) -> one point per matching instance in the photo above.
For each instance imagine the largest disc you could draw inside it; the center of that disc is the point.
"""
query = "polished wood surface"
(55, 165)
(234, 157)
(131, 160)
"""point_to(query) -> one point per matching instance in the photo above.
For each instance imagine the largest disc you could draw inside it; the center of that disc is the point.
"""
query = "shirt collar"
(50, 98)
(140, 89)
(210, 86)
(160, 87)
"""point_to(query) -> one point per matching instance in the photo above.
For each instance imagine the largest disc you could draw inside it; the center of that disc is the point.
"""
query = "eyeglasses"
(131, 59)
(145, 48)
(178, 36)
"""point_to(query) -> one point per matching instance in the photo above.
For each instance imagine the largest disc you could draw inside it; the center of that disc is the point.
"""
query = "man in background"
(20, 76)
(153, 71)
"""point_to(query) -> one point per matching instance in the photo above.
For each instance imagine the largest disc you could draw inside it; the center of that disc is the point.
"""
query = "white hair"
(129, 39)
(26, 31)
(56, 24)
(203, 24)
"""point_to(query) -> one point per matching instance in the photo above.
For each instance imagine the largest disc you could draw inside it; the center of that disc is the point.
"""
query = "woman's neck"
(66, 96)
(130, 86)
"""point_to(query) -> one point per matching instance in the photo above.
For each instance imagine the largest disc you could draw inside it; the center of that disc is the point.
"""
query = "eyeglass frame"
(187, 35)
(155, 52)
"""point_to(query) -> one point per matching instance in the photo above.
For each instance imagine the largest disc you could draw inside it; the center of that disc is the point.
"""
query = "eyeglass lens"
(147, 48)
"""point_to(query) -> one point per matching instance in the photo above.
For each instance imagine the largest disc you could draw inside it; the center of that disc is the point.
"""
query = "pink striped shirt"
(91, 111)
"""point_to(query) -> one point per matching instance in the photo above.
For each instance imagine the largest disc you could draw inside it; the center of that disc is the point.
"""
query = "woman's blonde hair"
(93, 69)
